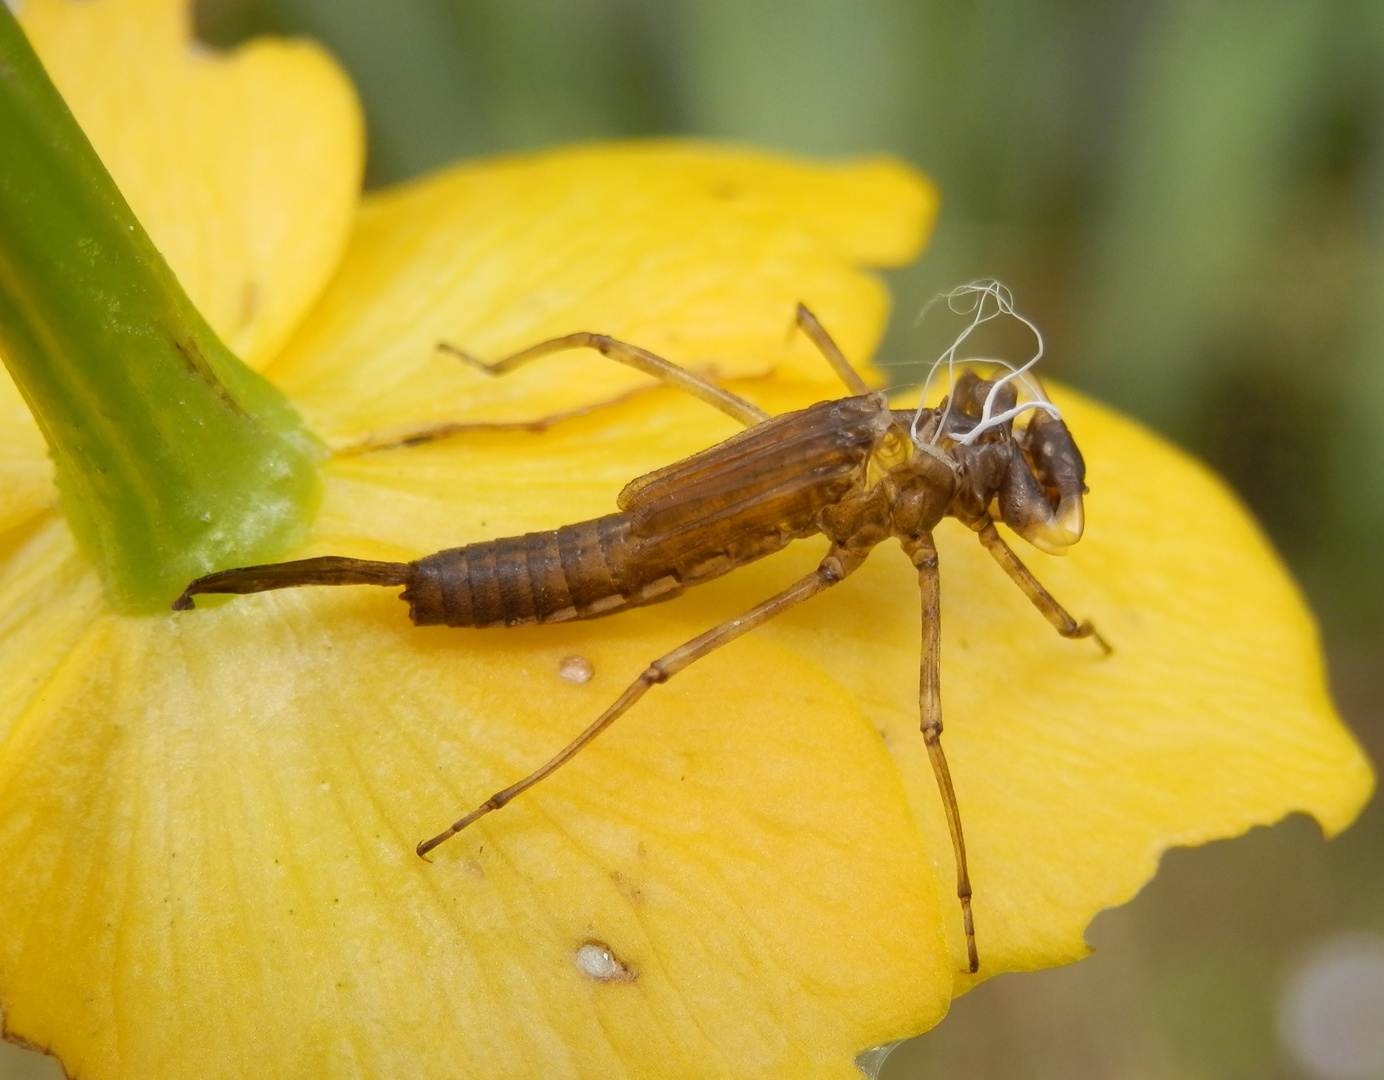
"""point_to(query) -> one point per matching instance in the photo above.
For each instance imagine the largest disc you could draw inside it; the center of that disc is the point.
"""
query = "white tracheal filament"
(983, 301)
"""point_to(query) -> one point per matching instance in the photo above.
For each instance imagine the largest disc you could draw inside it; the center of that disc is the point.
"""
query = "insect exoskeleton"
(853, 469)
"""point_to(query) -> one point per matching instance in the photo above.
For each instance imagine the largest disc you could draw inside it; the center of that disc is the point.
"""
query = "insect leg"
(1043, 600)
(631, 356)
(814, 330)
(838, 563)
(923, 552)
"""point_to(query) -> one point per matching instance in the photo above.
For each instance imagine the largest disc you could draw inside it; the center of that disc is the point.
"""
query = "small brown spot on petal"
(632, 892)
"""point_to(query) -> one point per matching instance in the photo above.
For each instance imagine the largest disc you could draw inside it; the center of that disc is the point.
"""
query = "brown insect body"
(793, 476)
(851, 469)
(679, 526)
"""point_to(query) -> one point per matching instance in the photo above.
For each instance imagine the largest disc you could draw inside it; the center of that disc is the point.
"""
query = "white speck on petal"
(595, 960)
(575, 669)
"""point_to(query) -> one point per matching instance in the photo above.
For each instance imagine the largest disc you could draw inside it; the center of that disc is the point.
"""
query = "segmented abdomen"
(681, 525)
(579, 571)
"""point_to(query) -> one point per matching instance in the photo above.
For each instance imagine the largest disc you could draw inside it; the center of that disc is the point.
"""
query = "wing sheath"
(772, 478)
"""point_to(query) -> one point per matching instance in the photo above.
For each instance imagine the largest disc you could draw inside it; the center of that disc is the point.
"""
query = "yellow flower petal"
(207, 819)
(244, 167)
(1073, 770)
(213, 875)
(697, 253)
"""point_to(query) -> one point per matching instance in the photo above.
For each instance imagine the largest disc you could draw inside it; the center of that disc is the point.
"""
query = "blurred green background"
(1188, 196)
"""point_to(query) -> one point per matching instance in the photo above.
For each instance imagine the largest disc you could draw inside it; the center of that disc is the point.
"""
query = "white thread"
(971, 299)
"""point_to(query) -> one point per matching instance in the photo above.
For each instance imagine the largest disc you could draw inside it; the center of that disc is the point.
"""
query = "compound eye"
(1044, 504)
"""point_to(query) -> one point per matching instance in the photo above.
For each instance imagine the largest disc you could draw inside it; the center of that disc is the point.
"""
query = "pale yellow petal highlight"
(212, 873)
(26, 473)
(696, 253)
(47, 598)
(244, 167)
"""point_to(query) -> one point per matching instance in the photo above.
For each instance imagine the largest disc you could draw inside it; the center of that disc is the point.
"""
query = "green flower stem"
(173, 458)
